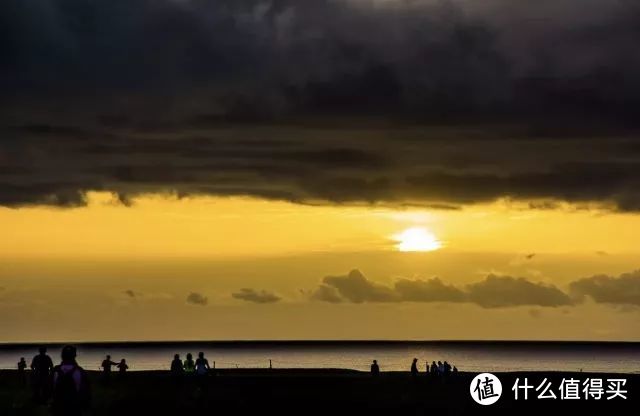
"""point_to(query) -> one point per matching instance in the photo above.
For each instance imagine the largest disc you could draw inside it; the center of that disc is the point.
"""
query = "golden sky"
(214, 227)
(107, 263)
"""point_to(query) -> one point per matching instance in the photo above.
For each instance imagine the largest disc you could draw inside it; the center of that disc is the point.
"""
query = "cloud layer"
(334, 101)
(492, 292)
(256, 296)
(623, 290)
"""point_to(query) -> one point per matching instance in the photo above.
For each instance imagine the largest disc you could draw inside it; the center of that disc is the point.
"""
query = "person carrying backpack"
(71, 394)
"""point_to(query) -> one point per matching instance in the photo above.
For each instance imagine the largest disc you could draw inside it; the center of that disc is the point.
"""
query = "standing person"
(71, 393)
(122, 368)
(414, 368)
(202, 369)
(176, 366)
(440, 368)
(189, 365)
(447, 368)
(426, 368)
(41, 367)
(202, 365)
(106, 368)
(434, 368)
(22, 367)
(375, 370)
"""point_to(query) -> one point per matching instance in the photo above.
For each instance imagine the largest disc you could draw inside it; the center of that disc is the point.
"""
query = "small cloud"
(530, 256)
(131, 293)
(197, 299)
(251, 295)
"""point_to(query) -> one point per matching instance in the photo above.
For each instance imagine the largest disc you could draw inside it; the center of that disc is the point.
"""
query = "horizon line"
(314, 341)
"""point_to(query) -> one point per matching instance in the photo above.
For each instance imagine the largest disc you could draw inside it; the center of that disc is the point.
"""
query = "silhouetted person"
(189, 365)
(426, 368)
(71, 393)
(440, 368)
(455, 370)
(202, 369)
(176, 366)
(434, 368)
(202, 365)
(22, 374)
(414, 368)
(122, 368)
(446, 368)
(41, 367)
(106, 368)
(375, 370)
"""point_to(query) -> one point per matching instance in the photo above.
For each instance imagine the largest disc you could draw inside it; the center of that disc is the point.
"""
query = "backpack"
(67, 398)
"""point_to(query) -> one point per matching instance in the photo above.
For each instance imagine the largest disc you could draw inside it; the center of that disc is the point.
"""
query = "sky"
(344, 169)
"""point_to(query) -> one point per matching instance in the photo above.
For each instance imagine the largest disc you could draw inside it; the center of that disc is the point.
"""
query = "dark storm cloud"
(197, 299)
(621, 290)
(493, 292)
(427, 102)
(256, 296)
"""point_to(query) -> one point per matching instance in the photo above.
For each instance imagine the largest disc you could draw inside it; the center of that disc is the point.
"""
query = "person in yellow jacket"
(189, 365)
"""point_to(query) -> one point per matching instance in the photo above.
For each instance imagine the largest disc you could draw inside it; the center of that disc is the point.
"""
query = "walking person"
(414, 368)
(106, 368)
(41, 367)
(71, 392)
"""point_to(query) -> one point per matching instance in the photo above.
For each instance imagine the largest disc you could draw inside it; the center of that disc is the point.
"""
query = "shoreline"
(314, 392)
(351, 372)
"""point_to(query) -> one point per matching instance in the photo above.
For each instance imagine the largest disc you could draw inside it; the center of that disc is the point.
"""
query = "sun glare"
(416, 239)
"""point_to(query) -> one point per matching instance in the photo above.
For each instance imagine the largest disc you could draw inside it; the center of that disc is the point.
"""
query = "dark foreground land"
(316, 392)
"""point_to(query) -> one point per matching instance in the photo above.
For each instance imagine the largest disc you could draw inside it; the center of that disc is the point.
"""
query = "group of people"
(65, 384)
(199, 367)
(439, 369)
(436, 370)
(107, 364)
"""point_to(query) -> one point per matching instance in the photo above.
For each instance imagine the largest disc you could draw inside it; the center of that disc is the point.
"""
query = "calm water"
(467, 356)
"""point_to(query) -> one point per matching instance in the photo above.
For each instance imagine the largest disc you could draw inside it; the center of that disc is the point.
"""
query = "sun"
(416, 239)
